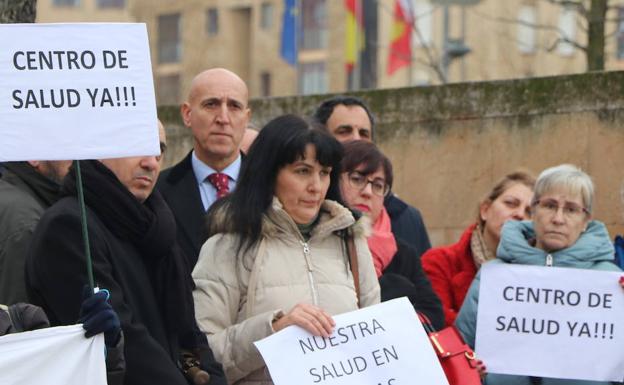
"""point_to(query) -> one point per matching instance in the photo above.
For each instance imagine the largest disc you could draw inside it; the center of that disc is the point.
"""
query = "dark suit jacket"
(178, 186)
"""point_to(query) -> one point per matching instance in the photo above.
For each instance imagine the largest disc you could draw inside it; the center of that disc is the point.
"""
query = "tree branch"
(580, 7)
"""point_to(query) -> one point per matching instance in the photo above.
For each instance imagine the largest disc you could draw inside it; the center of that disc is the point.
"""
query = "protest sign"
(33, 357)
(76, 91)
(551, 322)
(383, 344)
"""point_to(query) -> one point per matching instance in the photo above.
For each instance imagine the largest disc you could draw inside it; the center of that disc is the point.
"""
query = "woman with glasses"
(561, 233)
(366, 180)
(277, 255)
(452, 268)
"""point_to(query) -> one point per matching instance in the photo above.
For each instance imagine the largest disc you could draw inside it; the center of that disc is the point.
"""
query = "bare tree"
(593, 14)
(18, 11)
(595, 50)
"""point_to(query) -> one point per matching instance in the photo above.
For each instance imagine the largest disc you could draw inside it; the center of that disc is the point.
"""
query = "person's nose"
(223, 116)
(558, 216)
(150, 163)
(367, 190)
(520, 213)
(315, 183)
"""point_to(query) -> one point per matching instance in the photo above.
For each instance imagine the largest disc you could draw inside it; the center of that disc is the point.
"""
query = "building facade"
(506, 39)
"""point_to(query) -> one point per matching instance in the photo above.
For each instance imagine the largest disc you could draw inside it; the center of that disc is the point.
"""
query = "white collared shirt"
(207, 191)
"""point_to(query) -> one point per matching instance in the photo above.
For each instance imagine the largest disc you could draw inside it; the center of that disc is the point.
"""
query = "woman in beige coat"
(277, 252)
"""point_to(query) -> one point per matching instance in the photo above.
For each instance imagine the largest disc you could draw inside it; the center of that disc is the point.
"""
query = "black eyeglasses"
(359, 181)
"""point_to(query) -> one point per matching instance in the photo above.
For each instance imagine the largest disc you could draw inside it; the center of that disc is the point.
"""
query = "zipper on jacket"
(549, 260)
(306, 255)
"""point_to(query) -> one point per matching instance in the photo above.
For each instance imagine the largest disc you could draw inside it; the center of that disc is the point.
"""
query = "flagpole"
(356, 59)
(297, 37)
(83, 221)
(412, 23)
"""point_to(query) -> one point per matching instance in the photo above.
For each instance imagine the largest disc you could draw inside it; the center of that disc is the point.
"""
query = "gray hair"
(569, 178)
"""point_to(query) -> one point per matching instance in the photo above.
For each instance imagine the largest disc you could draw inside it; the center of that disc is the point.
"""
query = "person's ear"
(185, 112)
(483, 209)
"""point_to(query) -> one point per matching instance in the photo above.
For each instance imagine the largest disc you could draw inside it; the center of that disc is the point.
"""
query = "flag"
(400, 54)
(288, 48)
(354, 33)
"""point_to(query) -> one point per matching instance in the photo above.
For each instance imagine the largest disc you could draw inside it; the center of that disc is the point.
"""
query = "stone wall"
(449, 144)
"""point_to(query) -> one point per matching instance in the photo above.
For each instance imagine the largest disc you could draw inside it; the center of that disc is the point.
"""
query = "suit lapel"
(187, 205)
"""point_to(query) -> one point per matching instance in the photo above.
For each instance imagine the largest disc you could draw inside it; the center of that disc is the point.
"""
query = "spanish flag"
(400, 54)
(354, 33)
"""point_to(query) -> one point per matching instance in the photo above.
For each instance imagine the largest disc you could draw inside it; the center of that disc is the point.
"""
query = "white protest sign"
(383, 344)
(33, 357)
(76, 91)
(551, 322)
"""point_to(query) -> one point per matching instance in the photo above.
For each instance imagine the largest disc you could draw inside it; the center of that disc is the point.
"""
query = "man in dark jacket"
(217, 112)
(27, 189)
(135, 256)
(349, 118)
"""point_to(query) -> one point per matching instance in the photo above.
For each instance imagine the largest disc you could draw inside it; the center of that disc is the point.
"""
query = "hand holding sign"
(309, 317)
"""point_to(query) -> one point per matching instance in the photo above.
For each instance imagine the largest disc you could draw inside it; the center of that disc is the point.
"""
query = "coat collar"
(332, 217)
(594, 245)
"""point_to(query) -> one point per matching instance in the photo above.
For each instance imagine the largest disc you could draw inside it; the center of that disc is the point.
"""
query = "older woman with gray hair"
(561, 233)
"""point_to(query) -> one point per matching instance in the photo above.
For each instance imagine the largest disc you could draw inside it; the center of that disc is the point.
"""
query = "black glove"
(97, 316)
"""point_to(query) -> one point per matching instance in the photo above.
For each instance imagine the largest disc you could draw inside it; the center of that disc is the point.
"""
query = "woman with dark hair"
(366, 180)
(277, 253)
(452, 268)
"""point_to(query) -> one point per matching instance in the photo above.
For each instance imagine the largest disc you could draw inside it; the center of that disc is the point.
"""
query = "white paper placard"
(383, 344)
(76, 91)
(52, 356)
(551, 322)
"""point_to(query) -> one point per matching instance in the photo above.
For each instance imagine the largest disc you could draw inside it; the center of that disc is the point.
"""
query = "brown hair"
(357, 152)
(519, 176)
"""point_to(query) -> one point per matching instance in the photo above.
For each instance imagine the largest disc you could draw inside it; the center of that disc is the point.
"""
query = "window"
(66, 3)
(423, 13)
(265, 84)
(526, 32)
(212, 22)
(313, 24)
(266, 16)
(620, 33)
(168, 90)
(169, 45)
(312, 78)
(567, 26)
(111, 3)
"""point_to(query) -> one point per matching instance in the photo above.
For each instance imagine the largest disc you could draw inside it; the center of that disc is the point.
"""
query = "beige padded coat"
(237, 297)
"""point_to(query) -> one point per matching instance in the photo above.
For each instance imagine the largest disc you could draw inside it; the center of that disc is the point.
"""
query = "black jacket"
(178, 186)
(56, 274)
(24, 195)
(407, 224)
(404, 276)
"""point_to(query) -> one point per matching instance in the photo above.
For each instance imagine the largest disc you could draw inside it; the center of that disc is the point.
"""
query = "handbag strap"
(353, 263)
(426, 322)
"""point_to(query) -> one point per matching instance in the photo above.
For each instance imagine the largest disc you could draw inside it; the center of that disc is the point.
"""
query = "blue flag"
(288, 49)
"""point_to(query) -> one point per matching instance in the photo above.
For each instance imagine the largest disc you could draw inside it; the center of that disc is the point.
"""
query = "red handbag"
(458, 361)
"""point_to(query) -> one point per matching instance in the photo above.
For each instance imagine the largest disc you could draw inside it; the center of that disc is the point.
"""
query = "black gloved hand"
(97, 316)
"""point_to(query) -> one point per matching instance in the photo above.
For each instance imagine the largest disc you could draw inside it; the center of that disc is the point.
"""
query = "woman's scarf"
(151, 228)
(480, 251)
(381, 243)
